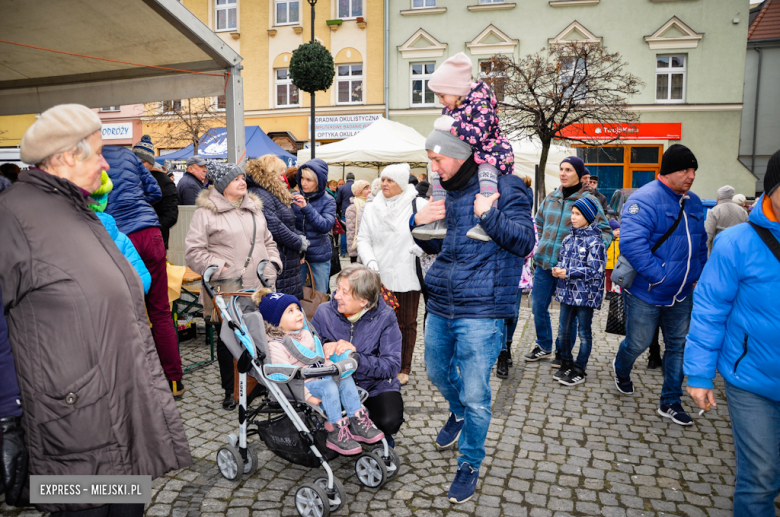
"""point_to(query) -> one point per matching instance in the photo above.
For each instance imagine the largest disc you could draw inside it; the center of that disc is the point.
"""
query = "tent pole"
(343, 168)
(234, 115)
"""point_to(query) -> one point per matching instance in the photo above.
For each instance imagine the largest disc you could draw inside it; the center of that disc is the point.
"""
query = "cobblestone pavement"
(551, 450)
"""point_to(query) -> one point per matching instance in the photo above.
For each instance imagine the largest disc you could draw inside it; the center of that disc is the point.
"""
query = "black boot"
(509, 362)
(228, 404)
(655, 361)
(502, 368)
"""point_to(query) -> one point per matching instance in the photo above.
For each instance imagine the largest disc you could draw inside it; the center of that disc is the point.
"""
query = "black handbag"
(616, 318)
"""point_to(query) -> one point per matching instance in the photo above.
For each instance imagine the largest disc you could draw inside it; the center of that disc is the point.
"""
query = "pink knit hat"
(453, 77)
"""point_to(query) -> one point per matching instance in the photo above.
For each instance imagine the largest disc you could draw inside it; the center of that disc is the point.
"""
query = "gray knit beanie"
(444, 142)
(220, 174)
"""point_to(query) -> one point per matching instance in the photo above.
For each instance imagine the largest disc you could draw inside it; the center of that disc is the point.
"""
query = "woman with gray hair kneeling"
(358, 319)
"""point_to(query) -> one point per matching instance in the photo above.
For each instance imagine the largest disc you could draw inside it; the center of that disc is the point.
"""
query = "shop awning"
(148, 50)
(213, 145)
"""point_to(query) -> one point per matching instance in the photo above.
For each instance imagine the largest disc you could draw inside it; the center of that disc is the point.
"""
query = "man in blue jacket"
(734, 328)
(472, 290)
(660, 294)
(130, 204)
(193, 181)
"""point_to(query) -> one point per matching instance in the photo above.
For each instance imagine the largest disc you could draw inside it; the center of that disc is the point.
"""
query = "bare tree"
(181, 123)
(568, 84)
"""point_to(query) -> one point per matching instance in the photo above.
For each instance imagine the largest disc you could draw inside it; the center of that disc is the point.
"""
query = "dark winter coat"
(95, 397)
(10, 398)
(668, 274)
(281, 222)
(584, 258)
(378, 341)
(472, 278)
(317, 218)
(135, 191)
(167, 208)
(343, 195)
(189, 188)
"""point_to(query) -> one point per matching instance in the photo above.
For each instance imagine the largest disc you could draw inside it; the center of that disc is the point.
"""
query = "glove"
(443, 123)
(304, 243)
(13, 459)
(373, 266)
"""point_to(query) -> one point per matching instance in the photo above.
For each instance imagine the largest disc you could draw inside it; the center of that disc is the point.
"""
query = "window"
(226, 15)
(621, 166)
(670, 79)
(573, 82)
(110, 108)
(493, 72)
(287, 12)
(421, 93)
(350, 87)
(350, 8)
(420, 4)
(171, 106)
(220, 103)
(286, 91)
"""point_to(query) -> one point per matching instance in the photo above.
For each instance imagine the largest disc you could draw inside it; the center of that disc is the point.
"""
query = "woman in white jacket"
(383, 244)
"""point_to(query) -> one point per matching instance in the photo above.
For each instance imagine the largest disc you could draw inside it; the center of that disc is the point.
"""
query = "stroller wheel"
(339, 497)
(371, 470)
(312, 501)
(251, 461)
(393, 463)
(229, 461)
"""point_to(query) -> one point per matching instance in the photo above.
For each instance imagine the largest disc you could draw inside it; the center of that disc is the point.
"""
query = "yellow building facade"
(266, 32)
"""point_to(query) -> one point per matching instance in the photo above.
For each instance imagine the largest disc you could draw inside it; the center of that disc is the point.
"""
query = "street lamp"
(312, 3)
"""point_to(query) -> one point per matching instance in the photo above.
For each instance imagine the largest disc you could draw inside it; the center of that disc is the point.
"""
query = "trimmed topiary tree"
(312, 68)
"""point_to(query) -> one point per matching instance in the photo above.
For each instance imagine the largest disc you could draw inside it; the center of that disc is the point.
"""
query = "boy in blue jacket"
(581, 270)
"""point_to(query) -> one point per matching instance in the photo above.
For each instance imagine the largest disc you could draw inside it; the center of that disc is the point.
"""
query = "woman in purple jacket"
(358, 319)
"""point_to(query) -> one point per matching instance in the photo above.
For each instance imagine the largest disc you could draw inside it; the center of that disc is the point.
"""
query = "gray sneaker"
(434, 230)
(478, 233)
(363, 429)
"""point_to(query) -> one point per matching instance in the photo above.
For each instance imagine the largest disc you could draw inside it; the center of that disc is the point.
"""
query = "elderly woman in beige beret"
(93, 388)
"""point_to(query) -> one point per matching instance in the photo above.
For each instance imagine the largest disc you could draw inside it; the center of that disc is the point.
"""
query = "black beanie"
(678, 158)
(772, 177)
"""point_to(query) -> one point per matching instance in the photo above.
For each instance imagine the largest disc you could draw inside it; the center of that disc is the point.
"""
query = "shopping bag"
(616, 318)
(390, 299)
(311, 297)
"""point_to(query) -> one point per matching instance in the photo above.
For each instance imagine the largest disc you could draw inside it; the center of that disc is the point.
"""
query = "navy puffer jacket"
(472, 278)
(135, 191)
(376, 337)
(281, 223)
(317, 218)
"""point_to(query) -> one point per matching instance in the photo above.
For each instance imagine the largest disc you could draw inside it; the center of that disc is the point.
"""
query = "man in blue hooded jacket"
(734, 328)
(661, 293)
(472, 289)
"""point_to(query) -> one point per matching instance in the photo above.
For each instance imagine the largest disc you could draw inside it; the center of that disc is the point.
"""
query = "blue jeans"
(343, 240)
(459, 354)
(641, 322)
(321, 272)
(333, 396)
(573, 316)
(511, 323)
(755, 424)
(541, 297)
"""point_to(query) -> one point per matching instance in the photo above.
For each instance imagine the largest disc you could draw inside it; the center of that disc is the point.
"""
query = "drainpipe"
(755, 113)
(387, 59)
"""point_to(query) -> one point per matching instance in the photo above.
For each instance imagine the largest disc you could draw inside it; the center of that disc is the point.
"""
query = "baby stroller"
(289, 426)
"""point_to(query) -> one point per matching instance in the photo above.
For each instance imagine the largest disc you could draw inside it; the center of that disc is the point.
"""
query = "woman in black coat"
(263, 181)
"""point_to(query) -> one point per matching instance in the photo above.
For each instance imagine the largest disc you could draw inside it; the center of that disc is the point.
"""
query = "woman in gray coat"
(94, 395)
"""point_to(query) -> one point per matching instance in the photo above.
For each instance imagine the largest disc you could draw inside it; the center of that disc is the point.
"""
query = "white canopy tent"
(382, 143)
(161, 34)
(527, 155)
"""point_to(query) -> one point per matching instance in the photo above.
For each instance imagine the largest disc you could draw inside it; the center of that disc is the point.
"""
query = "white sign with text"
(119, 131)
(332, 127)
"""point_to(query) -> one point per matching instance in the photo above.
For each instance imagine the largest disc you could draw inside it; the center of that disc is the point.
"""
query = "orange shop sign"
(647, 131)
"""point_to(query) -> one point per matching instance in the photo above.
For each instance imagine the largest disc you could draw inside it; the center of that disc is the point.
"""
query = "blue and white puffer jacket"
(584, 258)
(472, 278)
(135, 191)
(734, 324)
(666, 276)
(317, 218)
(128, 250)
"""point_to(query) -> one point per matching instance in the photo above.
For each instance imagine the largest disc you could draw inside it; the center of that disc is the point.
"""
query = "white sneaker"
(478, 233)
(430, 231)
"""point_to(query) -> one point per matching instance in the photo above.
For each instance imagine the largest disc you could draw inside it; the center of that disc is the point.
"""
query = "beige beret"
(58, 129)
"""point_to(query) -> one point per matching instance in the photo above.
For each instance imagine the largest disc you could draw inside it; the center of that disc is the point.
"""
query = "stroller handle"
(263, 279)
(322, 371)
(207, 278)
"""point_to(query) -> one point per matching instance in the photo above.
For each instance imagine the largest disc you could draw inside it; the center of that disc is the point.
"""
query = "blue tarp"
(213, 145)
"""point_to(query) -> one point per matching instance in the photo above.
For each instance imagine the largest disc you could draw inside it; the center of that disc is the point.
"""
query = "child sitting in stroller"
(284, 317)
